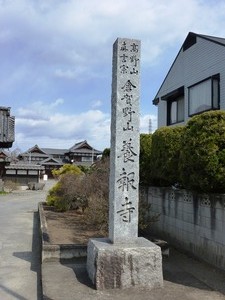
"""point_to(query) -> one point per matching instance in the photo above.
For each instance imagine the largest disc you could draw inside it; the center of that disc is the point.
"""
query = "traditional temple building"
(51, 158)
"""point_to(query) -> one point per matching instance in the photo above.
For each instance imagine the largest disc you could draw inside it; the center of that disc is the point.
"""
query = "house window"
(204, 95)
(175, 105)
(175, 110)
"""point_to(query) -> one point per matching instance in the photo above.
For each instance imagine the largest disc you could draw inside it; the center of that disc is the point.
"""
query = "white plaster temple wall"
(192, 222)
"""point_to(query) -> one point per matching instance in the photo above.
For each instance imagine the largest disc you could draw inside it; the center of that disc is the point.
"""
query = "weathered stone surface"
(124, 150)
(122, 266)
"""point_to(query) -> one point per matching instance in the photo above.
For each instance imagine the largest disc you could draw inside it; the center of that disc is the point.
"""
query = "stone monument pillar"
(124, 151)
(124, 260)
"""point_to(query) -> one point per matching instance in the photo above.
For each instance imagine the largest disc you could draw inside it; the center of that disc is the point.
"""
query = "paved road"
(20, 245)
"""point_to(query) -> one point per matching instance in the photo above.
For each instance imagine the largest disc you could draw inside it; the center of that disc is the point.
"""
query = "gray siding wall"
(200, 61)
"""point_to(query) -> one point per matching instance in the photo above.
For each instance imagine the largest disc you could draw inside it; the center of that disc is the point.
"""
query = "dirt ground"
(69, 227)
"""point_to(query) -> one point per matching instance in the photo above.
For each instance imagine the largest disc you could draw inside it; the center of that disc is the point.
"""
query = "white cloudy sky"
(56, 61)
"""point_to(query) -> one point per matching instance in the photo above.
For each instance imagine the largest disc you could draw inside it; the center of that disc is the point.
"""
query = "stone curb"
(68, 251)
(56, 251)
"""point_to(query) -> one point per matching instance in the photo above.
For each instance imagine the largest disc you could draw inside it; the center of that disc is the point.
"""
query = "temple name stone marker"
(124, 153)
(124, 260)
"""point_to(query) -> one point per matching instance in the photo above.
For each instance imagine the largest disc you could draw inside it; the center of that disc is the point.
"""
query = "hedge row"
(192, 156)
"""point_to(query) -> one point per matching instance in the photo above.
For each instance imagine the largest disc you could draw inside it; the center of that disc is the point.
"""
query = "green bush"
(165, 152)
(66, 193)
(202, 161)
(67, 168)
(106, 153)
(145, 159)
(53, 194)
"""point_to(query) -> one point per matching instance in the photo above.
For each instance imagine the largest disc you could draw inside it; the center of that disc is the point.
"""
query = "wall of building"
(200, 61)
(22, 177)
(192, 222)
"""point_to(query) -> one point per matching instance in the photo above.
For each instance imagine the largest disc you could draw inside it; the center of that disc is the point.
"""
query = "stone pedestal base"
(112, 266)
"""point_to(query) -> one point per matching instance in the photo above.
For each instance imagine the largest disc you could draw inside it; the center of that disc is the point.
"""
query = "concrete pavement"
(20, 272)
(184, 278)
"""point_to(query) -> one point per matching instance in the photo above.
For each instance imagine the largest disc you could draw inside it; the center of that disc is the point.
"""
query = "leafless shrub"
(96, 187)
(10, 186)
(90, 193)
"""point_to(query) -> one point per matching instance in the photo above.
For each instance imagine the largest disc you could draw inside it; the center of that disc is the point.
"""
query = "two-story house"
(195, 82)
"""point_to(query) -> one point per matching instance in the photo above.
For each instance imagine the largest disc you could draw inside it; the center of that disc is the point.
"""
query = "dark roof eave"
(155, 101)
(24, 167)
(206, 37)
(52, 164)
